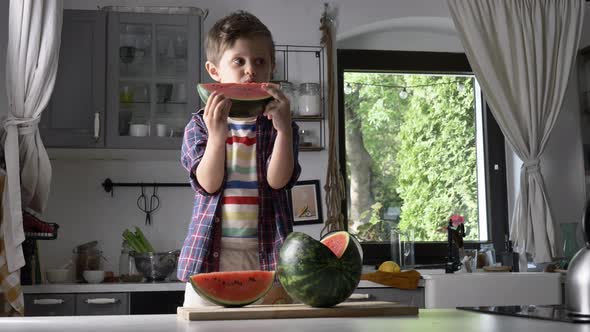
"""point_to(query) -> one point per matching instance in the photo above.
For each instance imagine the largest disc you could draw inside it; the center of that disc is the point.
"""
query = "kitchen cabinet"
(103, 303)
(50, 304)
(81, 304)
(303, 65)
(155, 302)
(153, 63)
(79, 93)
(124, 80)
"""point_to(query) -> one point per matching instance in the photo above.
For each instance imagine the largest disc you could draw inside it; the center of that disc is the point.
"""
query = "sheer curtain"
(522, 53)
(34, 35)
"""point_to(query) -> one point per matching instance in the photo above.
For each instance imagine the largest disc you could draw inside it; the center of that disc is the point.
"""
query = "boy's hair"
(226, 31)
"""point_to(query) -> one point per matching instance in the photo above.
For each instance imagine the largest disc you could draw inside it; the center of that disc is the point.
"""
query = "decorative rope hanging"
(334, 181)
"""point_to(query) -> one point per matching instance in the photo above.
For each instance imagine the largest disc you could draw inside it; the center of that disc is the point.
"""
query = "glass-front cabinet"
(152, 70)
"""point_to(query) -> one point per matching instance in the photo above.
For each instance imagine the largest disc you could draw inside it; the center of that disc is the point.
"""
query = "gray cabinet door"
(79, 92)
(153, 63)
(102, 304)
(50, 304)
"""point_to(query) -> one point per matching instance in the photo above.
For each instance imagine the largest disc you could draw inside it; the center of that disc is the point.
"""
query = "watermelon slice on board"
(233, 288)
(248, 99)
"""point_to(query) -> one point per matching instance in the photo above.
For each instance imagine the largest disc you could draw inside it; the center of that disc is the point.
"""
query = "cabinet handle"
(48, 301)
(360, 296)
(101, 301)
(96, 126)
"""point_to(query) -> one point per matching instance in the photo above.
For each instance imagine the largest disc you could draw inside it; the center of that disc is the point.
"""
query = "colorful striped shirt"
(239, 211)
(200, 251)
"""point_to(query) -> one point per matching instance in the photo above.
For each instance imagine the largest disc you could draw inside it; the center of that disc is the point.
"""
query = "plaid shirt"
(201, 249)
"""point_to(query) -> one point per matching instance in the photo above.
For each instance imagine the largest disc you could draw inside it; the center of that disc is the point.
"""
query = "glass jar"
(305, 138)
(86, 259)
(309, 99)
(289, 92)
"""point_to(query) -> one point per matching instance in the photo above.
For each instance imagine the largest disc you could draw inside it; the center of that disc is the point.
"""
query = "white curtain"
(34, 35)
(522, 53)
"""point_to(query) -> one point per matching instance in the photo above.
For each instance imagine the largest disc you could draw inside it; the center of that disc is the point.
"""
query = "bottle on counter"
(126, 261)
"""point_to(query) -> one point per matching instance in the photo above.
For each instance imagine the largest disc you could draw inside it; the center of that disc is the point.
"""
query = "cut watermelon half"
(235, 91)
(233, 288)
(248, 99)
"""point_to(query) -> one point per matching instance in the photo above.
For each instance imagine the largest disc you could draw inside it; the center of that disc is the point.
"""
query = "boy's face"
(248, 60)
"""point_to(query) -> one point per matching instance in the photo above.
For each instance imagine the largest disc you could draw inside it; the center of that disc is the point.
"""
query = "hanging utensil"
(148, 206)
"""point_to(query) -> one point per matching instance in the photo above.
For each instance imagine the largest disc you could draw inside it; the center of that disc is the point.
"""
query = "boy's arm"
(280, 168)
(211, 169)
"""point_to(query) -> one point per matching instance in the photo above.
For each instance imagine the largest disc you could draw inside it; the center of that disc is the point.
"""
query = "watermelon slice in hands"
(248, 99)
(233, 288)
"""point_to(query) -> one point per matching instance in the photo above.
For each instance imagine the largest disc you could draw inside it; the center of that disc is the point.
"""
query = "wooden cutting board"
(345, 309)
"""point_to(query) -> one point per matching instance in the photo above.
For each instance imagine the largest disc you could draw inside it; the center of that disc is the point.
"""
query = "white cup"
(162, 130)
(138, 130)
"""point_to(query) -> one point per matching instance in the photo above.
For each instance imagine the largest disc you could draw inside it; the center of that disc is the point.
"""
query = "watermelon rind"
(227, 302)
(241, 106)
(311, 273)
(250, 91)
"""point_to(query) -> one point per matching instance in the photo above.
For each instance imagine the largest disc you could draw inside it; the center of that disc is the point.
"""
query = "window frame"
(494, 146)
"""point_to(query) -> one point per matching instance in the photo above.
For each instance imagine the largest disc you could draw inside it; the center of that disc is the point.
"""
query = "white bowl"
(57, 276)
(93, 276)
(138, 130)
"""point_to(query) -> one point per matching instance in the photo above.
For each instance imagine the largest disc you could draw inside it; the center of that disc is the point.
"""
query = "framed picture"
(306, 204)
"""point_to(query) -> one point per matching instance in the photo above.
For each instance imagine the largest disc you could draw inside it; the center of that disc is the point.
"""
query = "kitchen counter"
(427, 320)
(129, 287)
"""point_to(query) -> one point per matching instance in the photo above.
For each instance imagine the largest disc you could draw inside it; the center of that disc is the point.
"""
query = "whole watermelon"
(311, 273)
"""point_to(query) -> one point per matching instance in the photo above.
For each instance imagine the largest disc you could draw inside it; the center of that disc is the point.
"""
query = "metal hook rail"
(109, 185)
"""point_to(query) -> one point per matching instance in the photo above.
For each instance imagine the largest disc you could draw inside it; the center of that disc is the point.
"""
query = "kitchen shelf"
(304, 64)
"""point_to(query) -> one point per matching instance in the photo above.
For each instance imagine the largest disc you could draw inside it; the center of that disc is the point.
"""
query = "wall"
(85, 212)
(3, 41)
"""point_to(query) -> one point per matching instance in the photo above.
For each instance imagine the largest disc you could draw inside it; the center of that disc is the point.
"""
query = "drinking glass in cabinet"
(134, 49)
(171, 45)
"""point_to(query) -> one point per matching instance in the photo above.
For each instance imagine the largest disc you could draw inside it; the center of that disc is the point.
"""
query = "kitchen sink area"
(492, 289)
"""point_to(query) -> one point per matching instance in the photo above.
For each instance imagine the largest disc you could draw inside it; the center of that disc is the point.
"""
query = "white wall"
(85, 212)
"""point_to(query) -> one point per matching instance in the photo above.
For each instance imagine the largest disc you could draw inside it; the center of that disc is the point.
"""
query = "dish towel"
(9, 282)
(403, 280)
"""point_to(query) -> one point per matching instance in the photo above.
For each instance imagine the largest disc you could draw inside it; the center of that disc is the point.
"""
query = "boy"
(240, 168)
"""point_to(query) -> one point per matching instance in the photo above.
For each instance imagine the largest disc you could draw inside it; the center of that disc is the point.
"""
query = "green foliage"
(423, 152)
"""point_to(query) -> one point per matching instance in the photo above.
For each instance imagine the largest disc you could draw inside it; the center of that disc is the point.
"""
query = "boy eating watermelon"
(240, 168)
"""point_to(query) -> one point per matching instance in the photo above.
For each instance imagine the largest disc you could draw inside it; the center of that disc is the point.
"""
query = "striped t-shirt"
(240, 196)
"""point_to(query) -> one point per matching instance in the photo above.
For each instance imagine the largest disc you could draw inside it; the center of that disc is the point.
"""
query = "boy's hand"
(278, 110)
(215, 116)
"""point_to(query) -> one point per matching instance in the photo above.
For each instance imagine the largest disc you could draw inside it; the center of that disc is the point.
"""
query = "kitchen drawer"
(403, 296)
(50, 304)
(102, 304)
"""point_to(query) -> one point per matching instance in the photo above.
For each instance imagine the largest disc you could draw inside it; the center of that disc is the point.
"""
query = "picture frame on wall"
(305, 198)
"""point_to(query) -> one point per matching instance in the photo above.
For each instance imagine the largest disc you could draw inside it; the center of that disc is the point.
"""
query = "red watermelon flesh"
(337, 242)
(233, 288)
(235, 91)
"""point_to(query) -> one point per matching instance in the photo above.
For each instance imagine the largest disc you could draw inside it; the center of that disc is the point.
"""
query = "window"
(419, 145)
